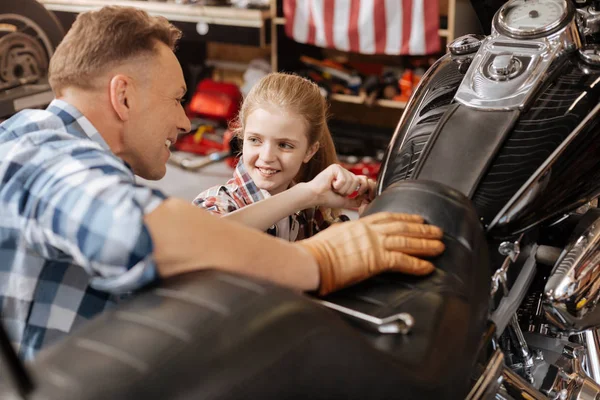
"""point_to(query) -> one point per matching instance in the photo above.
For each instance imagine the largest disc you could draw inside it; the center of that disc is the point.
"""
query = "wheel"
(28, 36)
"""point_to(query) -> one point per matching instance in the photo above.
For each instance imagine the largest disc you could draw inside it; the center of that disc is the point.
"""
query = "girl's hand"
(336, 187)
(367, 197)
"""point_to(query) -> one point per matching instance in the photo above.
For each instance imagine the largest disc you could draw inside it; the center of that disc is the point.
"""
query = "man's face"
(157, 116)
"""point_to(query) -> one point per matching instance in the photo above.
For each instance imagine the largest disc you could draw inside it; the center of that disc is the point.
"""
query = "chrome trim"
(536, 183)
(465, 44)
(513, 298)
(500, 278)
(519, 388)
(504, 67)
(572, 292)
(510, 249)
(400, 323)
(592, 361)
(487, 384)
(567, 380)
(502, 26)
(590, 54)
(588, 21)
(522, 347)
(481, 91)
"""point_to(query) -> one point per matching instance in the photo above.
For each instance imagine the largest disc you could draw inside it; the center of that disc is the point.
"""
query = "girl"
(288, 164)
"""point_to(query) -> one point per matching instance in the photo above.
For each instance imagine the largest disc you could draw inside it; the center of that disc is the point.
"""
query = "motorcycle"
(510, 121)
(498, 147)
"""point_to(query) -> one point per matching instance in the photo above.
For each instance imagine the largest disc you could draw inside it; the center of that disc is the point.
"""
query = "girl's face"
(275, 147)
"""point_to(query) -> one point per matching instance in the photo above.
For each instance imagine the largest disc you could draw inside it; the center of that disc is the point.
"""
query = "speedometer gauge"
(532, 18)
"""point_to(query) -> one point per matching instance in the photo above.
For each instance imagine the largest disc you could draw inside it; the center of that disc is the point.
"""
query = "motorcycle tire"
(38, 14)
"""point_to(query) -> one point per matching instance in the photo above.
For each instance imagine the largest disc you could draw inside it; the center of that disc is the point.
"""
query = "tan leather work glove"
(350, 252)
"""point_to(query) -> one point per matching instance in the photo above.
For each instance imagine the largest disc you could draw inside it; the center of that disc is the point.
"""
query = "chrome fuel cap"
(504, 67)
(465, 44)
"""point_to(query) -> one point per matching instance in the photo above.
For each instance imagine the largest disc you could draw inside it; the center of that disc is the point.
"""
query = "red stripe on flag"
(311, 26)
(380, 26)
(328, 13)
(353, 26)
(289, 11)
(406, 25)
(432, 25)
(330, 7)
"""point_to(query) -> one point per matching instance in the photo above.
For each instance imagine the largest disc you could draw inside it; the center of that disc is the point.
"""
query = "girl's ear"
(311, 152)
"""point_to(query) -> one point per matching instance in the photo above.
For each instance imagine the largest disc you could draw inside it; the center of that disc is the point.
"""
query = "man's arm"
(88, 208)
(124, 235)
(187, 238)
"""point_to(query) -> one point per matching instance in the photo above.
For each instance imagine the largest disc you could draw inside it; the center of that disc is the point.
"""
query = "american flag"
(365, 26)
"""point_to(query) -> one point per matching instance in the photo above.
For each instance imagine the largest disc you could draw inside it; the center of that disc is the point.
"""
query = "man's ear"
(311, 152)
(120, 92)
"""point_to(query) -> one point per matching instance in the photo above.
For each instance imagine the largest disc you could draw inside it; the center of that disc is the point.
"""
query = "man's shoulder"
(41, 131)
(28, 121)
(38, 142)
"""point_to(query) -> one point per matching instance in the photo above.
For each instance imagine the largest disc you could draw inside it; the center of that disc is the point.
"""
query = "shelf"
(345, 98)
(231, 16)
(26, 96)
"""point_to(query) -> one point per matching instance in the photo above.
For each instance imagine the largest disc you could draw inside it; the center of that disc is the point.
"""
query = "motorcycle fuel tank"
(544, 162)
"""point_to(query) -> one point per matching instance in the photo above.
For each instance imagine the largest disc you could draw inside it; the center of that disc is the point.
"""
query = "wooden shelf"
(345, 98)
(231, 16)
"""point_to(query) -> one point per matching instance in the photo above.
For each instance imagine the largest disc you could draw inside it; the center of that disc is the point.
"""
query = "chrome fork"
(592, 361)
(565, 380)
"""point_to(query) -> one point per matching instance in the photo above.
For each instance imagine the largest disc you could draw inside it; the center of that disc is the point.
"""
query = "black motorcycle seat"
(213, 335)
(449, 306)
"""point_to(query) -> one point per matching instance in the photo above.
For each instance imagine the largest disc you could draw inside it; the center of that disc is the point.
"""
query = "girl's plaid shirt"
(241, 191)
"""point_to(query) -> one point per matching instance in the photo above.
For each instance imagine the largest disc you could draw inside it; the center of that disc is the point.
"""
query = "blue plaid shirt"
(72, 235)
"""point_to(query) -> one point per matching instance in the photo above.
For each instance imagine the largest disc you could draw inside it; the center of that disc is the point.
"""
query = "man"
(75, 229)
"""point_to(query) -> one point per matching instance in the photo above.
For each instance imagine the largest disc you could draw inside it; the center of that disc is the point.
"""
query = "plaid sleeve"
(216, 200)
(87, 208)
